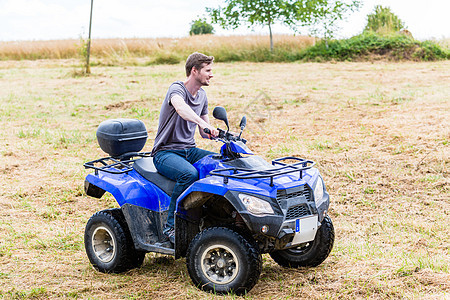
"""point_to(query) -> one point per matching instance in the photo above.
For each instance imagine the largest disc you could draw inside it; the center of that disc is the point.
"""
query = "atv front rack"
(115, 165)
(286, 168)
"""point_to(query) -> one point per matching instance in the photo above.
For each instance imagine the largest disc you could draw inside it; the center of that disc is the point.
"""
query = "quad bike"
(240, 208)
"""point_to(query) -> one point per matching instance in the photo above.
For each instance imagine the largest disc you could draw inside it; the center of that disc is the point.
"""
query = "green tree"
(268, 12)
(200, 26)
(383, 21)
(326, 23)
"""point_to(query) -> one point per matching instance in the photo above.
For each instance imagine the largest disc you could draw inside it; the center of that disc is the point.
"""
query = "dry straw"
(165, 50)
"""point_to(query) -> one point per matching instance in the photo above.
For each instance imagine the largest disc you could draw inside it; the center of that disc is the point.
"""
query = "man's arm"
(189, 115)
(205, 135)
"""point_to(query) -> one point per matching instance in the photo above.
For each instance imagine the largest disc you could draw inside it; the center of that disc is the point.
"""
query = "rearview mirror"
(243, 123)
(221, 114)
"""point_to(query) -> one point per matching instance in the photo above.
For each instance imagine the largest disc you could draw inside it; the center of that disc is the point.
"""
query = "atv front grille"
(289, 199)
(286, 194)
(307, 194)
(297, 211)
(281, 195)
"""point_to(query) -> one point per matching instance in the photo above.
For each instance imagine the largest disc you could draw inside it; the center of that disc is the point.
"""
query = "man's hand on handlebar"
(224, 136)
(211, 131)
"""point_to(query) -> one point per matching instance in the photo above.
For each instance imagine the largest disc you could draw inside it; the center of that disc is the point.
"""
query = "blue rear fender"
(131, 188)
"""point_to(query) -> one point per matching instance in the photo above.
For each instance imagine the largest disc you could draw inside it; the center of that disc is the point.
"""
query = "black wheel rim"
(300, 250)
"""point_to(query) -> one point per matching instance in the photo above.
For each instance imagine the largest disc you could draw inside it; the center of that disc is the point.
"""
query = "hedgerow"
(369, 45)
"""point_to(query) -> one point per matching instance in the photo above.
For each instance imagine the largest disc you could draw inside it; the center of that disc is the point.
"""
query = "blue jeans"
(177, 166)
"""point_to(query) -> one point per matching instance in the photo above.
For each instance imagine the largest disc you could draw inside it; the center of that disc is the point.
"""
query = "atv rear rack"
(286, 168)
(115, 165)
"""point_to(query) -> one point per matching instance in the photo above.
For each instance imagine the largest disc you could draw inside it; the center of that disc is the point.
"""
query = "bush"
(383, 21)
(369, 46)
(200, 26)
(429, 51)
(165, 58)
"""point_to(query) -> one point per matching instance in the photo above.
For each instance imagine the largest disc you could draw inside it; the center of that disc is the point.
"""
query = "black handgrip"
(206, 130)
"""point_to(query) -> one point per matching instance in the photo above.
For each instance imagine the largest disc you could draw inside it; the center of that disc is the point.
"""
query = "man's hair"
(197, 60)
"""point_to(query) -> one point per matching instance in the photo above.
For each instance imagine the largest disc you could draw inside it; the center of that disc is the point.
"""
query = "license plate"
(305, 229)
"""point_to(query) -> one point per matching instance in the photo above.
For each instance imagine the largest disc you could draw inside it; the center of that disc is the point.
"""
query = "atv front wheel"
(108, 243)
(310, 254)
(223, 261)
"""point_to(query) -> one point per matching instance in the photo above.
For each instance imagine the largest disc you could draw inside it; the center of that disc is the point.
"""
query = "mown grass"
(378, 131)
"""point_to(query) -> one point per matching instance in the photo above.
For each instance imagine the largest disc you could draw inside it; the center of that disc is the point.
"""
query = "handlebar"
(206, 130)
(225, 136)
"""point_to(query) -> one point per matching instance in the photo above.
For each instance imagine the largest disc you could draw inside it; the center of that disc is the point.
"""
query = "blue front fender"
(215, 185)
(230, 191)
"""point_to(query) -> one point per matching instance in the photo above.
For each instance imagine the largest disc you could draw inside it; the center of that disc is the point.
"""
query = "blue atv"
(240, 208)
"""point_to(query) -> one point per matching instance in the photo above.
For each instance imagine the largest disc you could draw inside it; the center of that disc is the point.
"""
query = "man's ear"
(194, 71)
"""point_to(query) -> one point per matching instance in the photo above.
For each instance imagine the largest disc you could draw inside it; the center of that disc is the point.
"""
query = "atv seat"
(146, 169)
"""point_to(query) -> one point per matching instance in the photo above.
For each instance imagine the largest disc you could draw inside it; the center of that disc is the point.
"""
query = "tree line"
(320, 16)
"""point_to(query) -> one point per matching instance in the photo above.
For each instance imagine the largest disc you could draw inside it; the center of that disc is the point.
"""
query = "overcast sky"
(65, 19)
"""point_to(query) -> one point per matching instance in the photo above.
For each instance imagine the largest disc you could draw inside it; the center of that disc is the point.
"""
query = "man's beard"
(204, 82)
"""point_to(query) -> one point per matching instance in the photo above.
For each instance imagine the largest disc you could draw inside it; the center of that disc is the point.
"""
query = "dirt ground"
(379, 133)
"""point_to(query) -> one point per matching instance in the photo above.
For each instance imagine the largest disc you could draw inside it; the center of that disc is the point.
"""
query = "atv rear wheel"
(223, 261)
(108, 243)
(310, 254)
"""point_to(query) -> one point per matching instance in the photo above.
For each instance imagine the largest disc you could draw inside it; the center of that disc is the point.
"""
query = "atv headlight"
(318, 192)
(256, 206)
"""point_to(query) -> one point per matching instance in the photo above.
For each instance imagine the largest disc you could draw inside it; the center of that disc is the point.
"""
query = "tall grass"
(163, 50)
(33, 50)
(251, 48)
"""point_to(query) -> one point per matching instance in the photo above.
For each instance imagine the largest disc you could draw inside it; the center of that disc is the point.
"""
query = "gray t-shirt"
(173, 131)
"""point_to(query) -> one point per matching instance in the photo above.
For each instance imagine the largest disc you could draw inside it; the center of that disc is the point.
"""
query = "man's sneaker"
(170, 233)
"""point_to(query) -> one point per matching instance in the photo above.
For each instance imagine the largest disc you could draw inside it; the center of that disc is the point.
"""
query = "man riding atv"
(174, 151)
(222, 212)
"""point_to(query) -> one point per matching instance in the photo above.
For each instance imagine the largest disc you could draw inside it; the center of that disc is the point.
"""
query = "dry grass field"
(379, 132)
(156, 50)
